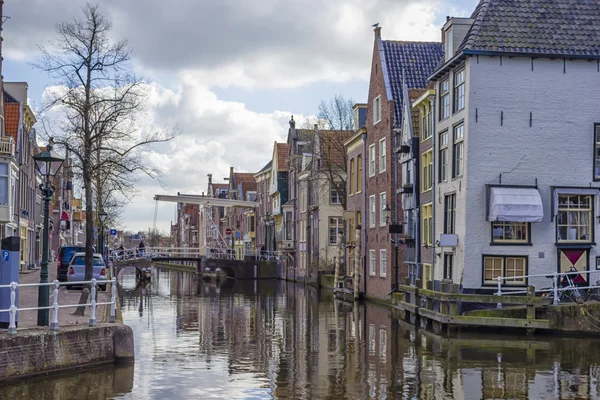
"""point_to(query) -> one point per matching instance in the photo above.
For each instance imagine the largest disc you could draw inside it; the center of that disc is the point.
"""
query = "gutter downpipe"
(433, 184)
(364, 214)
(395, 194)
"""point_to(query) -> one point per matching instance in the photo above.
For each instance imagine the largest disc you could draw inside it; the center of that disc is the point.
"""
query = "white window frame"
(334, 197)
(382, 204)
(6, 177)
(372, 262)
(383, 263)
(336, 223)
(372, 160)
(382, 156)
(376, 109)
(372, 207)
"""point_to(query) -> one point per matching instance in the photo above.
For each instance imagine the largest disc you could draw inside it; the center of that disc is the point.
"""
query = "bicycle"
(566, 290)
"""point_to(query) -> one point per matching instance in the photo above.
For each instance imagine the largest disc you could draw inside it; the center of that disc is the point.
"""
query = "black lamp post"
(393, 229)
(102, 217)
(47, 163)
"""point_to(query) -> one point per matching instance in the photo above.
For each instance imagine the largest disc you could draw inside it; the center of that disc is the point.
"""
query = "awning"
(64, 216)
(515, 204)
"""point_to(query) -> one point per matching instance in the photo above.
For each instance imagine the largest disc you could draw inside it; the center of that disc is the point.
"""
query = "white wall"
(557, 149)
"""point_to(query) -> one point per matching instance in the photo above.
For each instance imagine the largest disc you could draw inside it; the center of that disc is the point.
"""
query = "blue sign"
(5, 255)
(113, 232)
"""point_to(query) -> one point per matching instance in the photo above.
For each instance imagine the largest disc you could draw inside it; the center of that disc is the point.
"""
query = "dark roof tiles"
(552, 27)
(411, 62)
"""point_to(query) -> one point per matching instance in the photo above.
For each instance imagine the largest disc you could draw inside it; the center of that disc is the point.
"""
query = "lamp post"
(393, 229)
(47, 163)
(102, 217)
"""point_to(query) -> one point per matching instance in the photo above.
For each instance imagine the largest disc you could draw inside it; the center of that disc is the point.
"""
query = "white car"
(77, 270)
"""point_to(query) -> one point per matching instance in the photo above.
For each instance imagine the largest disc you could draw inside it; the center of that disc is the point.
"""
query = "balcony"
(7, 147)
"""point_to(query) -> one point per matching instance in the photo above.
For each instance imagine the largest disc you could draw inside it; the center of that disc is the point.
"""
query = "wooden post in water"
(336, 276)
(530, 308)
(356, 280)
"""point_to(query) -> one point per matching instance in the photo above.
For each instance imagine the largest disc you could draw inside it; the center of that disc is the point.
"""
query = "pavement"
(28, 297)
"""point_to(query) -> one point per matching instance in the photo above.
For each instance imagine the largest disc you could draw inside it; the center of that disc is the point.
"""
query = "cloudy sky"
(228, 73)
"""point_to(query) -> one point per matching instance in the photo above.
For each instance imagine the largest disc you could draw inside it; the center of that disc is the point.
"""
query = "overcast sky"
(228, 73)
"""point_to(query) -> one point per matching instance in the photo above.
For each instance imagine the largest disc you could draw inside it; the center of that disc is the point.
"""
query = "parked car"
(77, 270)
(65, 255)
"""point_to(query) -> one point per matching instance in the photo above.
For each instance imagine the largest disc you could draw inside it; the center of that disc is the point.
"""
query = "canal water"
(272, 340)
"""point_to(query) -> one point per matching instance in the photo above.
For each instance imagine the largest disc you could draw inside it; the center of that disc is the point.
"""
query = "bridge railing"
(167, 252)
(14, 295)
(244, 254)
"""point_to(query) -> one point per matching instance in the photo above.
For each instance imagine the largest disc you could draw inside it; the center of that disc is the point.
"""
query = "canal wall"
(35, 352)
(176, 267)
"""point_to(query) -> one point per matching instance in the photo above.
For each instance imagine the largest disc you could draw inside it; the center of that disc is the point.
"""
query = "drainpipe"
(364, 214)
(434, 183)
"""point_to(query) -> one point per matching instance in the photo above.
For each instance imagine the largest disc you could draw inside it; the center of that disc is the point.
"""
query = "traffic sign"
(113, 232)
(228, 231)
(5, 255)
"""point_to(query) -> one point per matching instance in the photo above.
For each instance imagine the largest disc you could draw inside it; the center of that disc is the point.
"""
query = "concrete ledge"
(178, 267)
(39, 351)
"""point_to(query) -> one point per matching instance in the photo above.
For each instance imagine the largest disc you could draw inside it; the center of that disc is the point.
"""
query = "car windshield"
(80, 260)
(69, 252)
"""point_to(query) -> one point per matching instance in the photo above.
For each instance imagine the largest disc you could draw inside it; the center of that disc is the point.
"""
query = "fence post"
(54, 322)
(499, 293)
(93, 302)
(113, 300)
(555, 280)
(12, 325)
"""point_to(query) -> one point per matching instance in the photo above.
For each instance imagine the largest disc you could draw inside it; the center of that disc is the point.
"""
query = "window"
(377, 109)
(4, 180)
(372, 160)
(425, 123)
(352, 177)
(382, 205)
(510, 232)
(506, 267)
(334, 197)
(444, 100)
(449, 48)
(359, 174)
(574, 218)
(443, 143)
(382, 263)
(457, 153)
(597, 152)
(427, 217)
(372, 211)
(427, 274)
(448, 264)
(336, 227)
(358, 219)
(372, 262)
(426, 173)
(288, 225)
(459, 90)
(382, 156)
(449, 213)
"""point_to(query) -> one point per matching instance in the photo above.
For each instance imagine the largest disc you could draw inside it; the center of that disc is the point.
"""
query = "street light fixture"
(47, 163)
(387, 212)
(102, 217)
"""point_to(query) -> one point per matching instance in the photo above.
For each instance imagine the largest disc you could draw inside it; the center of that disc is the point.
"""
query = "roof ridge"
(411, 41)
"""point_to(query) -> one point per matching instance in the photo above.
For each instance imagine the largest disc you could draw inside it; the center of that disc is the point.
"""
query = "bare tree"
(100, 104)
(332, 127)
(153, 238)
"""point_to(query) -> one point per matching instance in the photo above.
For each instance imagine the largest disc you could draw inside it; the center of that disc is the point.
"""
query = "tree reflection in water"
(271, 339)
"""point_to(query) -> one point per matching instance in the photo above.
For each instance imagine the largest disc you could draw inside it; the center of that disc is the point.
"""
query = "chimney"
(377, 31)
(453, 33)
(292, 123)
(209, 179)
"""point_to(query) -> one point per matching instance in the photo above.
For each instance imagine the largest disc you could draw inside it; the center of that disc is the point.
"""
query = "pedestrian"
(141, 248)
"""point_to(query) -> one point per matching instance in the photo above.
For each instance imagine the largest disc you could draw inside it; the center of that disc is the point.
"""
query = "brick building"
(393, 62)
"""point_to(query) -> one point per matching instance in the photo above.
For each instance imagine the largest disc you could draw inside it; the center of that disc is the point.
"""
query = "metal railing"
(556, 288)
(13, 309)
(229, 254)
(194, 252)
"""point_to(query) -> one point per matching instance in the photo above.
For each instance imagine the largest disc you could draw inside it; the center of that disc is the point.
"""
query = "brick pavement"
(28, 297)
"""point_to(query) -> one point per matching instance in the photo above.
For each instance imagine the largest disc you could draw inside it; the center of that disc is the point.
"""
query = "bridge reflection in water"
(269, 339)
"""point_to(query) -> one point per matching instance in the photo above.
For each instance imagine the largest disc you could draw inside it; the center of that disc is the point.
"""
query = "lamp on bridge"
(47, 163)
(102, 217)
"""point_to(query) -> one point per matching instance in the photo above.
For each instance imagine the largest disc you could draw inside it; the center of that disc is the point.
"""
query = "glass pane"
(3, 169)
(584, 201)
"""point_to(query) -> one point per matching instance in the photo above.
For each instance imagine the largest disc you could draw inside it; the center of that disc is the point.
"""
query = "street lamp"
(387, 212)
(47, 163)
(102, 217)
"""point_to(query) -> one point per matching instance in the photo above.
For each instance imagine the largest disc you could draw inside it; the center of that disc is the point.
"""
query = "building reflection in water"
(271, 339)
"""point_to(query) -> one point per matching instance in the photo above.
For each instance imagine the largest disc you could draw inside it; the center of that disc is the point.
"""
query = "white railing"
(229, 254)
(556, 288)
(7, 146)
(13, 309)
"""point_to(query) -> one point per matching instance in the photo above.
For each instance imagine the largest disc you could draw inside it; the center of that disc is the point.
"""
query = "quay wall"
(36, 352)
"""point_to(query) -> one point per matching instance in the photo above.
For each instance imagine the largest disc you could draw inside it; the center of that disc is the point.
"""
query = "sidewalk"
(28, 297)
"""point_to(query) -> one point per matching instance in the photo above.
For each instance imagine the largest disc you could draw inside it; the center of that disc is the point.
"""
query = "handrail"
(13, 309)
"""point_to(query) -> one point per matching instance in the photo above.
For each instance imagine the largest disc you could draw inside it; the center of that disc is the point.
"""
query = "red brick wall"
(378, 238)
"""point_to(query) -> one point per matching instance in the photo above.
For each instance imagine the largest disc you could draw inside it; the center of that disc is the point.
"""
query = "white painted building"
(518, 118)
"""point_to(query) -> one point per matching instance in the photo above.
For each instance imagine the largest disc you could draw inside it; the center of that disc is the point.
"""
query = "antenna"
(5, 18)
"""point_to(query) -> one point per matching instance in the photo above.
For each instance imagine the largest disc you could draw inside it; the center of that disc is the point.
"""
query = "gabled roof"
(8, 98)
(412, 62)
(11, 119)
(265, 168)
(247, 181)
(552, 27)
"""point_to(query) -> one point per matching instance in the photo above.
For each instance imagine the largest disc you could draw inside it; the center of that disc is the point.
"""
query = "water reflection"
(268, 339)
